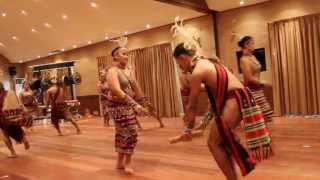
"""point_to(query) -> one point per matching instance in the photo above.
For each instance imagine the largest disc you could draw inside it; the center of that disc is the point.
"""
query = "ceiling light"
(23, 12)
(14, 38)
(64, 16)
(126, 32)
(62, 49)
(3, 14)
(74, 46)
(1, 44)
(148, 26)
(93, 4)
(33, 30)
(241, 2)
(47, 25)
(39, 56)
(106, 38)
(89, 42)
(20, 61)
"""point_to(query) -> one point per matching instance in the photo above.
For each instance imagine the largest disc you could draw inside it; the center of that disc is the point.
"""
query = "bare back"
(207, 73)
(53, 96)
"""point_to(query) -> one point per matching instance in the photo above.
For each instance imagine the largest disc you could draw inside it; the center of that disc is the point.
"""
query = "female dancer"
(29, 103)
(102, 88)
(10, 118)
(251, 69)
(123, 108)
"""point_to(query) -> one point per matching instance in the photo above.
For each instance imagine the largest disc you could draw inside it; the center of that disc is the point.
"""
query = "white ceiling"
(85, 23)
(223, 5)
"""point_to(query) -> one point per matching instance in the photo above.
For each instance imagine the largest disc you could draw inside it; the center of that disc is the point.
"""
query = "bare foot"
(13, 156)
(128, 170)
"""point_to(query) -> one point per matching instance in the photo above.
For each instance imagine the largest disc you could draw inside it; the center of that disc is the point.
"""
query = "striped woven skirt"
(124, 116)
(258, 93)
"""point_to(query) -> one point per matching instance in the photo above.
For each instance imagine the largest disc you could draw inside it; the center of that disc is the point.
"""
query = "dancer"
(10, 118)
(59, 108)
(251, 69)
(232, 103)
(29, 103)
(123, 108)
(102, 88)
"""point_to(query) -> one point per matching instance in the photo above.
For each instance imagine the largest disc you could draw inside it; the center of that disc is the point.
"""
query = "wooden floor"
(91, 156)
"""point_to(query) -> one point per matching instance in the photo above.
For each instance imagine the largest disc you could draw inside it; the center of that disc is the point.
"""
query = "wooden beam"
(197, 5)
(215, 31)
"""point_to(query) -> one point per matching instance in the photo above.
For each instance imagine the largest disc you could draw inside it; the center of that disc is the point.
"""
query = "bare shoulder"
(202, 67)
(245, 59)
(112, 70)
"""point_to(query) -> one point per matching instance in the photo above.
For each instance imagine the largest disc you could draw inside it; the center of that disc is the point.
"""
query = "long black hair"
(243, 41)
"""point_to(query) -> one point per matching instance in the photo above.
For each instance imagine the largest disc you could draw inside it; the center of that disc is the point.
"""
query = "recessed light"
(93, 4)
(47, 25)
(148, 26)
(62, 49)
(14, 38)
(89, 42)
(1, 44)
(106, 38)
(64, 16)
(24, 12)
(3, 14)
(33, 30)
(242, 2)
(39, 56)
(74, 46)
(126, 32)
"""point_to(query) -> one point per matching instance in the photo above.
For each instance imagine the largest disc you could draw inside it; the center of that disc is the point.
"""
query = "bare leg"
(26, 143)
(231, 115)
(106, 120)
(73, 122)
(120, 164)
(127, 166)
(139, 124)
(9, 144)
(57, 126)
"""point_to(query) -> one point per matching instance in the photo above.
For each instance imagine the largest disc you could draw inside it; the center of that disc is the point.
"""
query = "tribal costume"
(256, 132)
(124, 116)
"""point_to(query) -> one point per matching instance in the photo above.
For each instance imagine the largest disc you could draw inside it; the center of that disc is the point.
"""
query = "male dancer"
(232, 103)
(59, 108)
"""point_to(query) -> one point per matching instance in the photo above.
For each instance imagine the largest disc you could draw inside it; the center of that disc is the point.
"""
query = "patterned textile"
(125, 121)
(256, 133)
(10, 121)
(258, 94)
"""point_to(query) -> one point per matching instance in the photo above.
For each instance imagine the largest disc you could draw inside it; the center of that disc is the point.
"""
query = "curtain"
(295, 55)
(153, 67)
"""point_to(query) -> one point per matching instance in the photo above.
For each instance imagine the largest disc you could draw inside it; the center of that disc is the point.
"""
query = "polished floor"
(91, 156)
